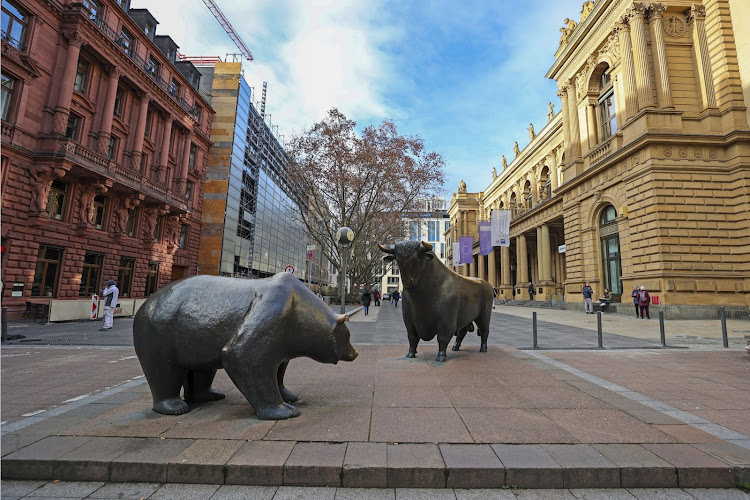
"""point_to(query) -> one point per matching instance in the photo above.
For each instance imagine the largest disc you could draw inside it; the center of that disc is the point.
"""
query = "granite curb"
(372, 465)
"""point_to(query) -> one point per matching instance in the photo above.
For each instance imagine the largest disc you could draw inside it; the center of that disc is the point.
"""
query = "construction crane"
(228, 28)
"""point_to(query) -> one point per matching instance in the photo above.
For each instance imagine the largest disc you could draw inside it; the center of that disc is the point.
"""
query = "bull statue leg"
(413, 341)
(442, 348)
(483, 326)
(198, 389)
(461, 334)
(287, 395)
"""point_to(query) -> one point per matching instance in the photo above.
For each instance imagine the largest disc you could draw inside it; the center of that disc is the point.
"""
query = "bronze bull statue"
(437, 301)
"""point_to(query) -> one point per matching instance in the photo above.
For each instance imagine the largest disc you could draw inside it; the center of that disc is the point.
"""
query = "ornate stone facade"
(104, 137)
(642, 178)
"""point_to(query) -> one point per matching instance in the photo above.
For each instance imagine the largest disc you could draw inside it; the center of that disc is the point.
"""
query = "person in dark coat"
(366, 297)
(635, 299)
(531, 291)
(396, 296)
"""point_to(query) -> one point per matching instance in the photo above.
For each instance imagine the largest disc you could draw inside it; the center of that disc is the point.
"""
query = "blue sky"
(467, 77)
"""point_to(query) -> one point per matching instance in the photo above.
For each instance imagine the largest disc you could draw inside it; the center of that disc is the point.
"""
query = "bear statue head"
(340, 337)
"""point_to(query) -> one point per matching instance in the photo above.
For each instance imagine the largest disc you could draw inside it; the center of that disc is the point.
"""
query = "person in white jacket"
(110, 295)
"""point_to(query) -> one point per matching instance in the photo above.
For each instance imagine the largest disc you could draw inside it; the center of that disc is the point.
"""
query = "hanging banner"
(456, 254)
(501, 228)
(485, 238)
(466, 242)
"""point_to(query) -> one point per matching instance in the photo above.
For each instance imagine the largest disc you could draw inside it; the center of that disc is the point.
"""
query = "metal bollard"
(599, 327)
(533, 329)
(5, 324)
(661, 329)
(723, 316)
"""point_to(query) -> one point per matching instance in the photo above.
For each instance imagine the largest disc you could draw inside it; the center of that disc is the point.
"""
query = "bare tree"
(363, 182)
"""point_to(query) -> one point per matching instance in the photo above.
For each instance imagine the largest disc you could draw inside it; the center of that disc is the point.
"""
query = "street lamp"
(344, 236)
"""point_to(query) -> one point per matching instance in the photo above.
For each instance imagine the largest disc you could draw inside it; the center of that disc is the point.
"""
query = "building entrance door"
(610, 250)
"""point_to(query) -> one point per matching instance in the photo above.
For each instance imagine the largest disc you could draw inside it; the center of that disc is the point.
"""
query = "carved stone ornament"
(674, 26)
(587, 7)
(567, 30)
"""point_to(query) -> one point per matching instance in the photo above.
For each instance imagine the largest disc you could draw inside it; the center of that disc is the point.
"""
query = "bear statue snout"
(350, 354)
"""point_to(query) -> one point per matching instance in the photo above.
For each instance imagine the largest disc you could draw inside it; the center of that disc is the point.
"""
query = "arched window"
(606, 103)
(528, 198)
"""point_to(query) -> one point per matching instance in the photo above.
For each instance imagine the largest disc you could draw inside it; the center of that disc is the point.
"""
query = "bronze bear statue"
(189, 329)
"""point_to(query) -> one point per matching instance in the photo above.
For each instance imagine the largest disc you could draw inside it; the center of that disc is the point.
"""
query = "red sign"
(94, 306)
(655, 299)
(289, 269)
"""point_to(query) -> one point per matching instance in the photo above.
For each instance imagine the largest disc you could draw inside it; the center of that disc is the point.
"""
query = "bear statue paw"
(287, 395)
(483, 348)
(280, 412)
(456, 347)
(440, 357)
(174, 406)
(210, 395)
(411, 354)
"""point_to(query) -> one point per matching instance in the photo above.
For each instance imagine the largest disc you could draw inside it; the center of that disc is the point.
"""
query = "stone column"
(539, 258)
(491, 268)
(184, 165)
(481, 262)
(591, 124)
(697, 18)
(522, 261)
(505, 266)
(640, 56)
(563, 95)
(575, 128)
(166, 137)
(64, 98)
(546, 255)
(140, 130)
(552, 164)
(109, 110)
(663, 90)
(472, 268)
(628, 68)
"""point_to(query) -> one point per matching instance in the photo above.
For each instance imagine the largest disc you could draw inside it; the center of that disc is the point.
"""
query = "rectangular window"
(47, 272)
(81, 76)
(152, 278)
(92, 7)
(191, 158)
(148, 29)
(415, 230)
(126, 41)
(183, 236)
(112, 148)
(125, 276)
(174, 88)
(149, 120)
(607, 115)
(9, 85)
(119, 102)
(91, 274)
(100, 211)
(189, 190)
(132, 219)
(57, 199)
(447, 226)
(157, 228)
(433, 227)
(197, 112)
(15, 24)
(73, 128)
(153, 66)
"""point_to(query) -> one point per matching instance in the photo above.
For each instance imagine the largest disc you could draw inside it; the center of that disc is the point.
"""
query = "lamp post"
(345, 236)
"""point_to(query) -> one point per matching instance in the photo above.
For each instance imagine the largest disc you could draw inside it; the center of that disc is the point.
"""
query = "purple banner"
(485, 238)
(466, 243)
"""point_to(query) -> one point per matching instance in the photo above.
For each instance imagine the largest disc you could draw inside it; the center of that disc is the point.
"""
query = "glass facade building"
(261, 234)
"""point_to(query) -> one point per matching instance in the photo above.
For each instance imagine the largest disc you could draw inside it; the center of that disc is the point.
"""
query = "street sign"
(310, 254)
(561, 249)
(94, 306)
(310, 247)
(289, 269)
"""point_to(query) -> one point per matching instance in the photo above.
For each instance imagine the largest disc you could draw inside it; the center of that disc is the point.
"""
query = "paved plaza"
(501, 424)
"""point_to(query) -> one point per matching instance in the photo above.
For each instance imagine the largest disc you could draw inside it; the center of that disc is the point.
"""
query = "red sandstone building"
(104, 137)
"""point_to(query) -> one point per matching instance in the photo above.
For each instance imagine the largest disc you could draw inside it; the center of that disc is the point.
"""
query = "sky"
(465, 76)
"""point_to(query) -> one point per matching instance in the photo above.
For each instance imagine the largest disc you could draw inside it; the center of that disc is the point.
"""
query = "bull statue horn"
(340, 318)
(426, 247)
(386, 248)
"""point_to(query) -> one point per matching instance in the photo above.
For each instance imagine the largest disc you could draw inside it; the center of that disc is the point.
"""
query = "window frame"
(113, 147)
(91, 273)
(132, 223)
(77, 120)
(10, 92)
(57, 199)
(99, 214)
(606, 107)
(153, 66)
(94, 14)
(41, 259)
(19, 44)
(119, 102)
(125, 275)
(129, 46)
(183, 236)
(82, 76)
(152, 278)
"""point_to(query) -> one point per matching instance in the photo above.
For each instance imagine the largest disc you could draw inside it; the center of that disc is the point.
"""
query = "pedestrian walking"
(377, 297)
(644, 300)
(635, 299)
(531, 291)
(494, 295)
(366, 297)
(396, 296)
(111, 294)
(588, 292)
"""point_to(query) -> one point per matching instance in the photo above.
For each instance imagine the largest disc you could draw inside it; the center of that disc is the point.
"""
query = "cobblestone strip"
(699, 423)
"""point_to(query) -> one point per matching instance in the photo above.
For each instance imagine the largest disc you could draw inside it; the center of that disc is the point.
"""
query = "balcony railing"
(17, 44)
(606, 148)
(138, 60)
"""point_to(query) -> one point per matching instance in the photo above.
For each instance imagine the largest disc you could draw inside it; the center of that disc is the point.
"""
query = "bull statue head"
(412, 257)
